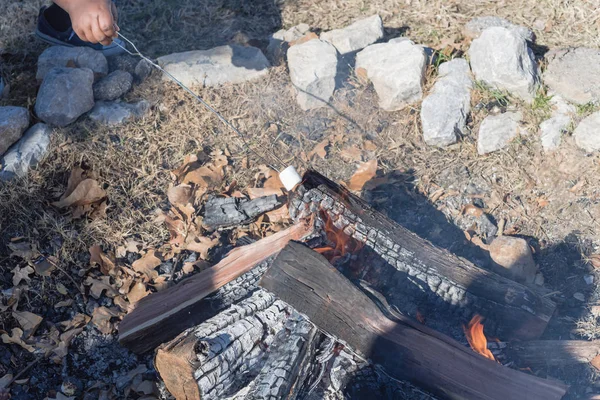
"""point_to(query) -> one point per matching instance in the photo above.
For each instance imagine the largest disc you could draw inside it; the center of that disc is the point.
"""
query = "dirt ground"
(551, 199)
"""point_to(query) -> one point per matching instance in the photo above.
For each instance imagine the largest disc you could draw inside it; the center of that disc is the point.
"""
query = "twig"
(27, 368)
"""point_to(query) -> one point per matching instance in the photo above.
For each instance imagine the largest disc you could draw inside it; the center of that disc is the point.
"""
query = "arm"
(93, 20)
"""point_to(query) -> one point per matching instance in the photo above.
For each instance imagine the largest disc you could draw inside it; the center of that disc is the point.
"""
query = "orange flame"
(341, 243)
(476, 337)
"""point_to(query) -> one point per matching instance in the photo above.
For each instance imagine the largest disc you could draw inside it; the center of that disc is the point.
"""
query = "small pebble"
(589, 279)
(579, 296)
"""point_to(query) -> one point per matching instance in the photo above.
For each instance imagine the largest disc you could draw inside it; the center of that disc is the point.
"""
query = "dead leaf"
(320, 150)
(596, 362)
(62, 348)
(16, 337)
(79, 320)
(147, 264)
(21, 274)
(45, 266)
(542, 202)
(101, 319)
(278, 215)
(176, 229)
(369, 146)
(201, 244)
(145, 387)
(76, 177)
(24, 250)
(351, 154)
(97, 286)
(87, 192)
(595, 260)
(255, 193)
(60, 288)
(364, 173)
(472, 210)
(181, 196)
(137, 292)
(104, 261)
(578, 186)
(28, 321)
(64, 303)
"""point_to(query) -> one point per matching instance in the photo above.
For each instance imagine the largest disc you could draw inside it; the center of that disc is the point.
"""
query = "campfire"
(341, 292)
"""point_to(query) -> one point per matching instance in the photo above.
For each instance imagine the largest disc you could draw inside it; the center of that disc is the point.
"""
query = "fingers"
(106, 24)
(98, 33)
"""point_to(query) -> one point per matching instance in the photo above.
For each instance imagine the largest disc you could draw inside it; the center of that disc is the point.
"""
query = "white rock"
(552, 129)
(26, 153)
(501, 59)
(13, 122)
(474, 27)
(356, 36)
(444, 112)
(397, 71)
(217, 66)
(496, 131)
(574, 74)
(313, 69)
(79, 57)
(294, 33)
(65, 95)
(589, 279)
(587, 133)
(579, 296)
(113, 113)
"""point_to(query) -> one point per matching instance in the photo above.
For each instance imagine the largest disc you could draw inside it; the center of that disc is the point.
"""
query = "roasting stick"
(289, 176)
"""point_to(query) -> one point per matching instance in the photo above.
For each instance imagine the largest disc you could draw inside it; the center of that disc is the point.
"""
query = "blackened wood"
(163, 315)
(406, 349)
(417, 272)
(223, 212)
(542, 353)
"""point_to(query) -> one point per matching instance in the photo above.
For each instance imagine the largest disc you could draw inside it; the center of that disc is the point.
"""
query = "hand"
(94, 21)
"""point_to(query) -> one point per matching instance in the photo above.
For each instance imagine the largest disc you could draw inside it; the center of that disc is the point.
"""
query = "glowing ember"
(340, 243)
(476, 337)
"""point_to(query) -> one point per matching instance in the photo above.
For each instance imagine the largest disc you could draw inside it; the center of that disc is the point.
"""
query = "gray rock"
(279, 41)
(355, 36)
(313, 69)
(501, 59)
(122, 62)
(574, 74)
(444, 112)
(589, 279)
(142, 71)
(65, 95)
(26, 153)
(587, 133)
(79, 57)
(13, 122)
(477, 25)
(217, 66)
(579, 296)
(397, 70)
(113, 113)
(496, 131)
(513, 259)
(113, 86)
(552, 129)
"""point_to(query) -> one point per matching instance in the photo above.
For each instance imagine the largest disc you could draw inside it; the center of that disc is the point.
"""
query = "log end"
(177, 371)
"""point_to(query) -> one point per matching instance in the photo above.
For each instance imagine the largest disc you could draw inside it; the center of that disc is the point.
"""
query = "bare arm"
(94, 21)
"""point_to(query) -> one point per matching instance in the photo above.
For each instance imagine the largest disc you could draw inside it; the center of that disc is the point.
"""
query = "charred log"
(543, 353)
(223, 212)
(405, 349)
(414, 274)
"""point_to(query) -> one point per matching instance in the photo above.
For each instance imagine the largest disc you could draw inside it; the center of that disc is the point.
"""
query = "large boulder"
(313, 69)
(113, 113)
(65, 95)
(13, 122)
(474, 27)
(587, 133)
(444, 112)
(26, 153)
(217, 66)
(356, 36)
(501, 59)
(113, 86)
(78, 57)
(574, 74)
(497, 131)
(397, 70)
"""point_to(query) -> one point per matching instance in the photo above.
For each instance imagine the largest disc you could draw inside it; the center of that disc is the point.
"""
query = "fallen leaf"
(472, 210)
(278, 215)
(64, 303)
(121, 303)
(202, 245)
(596, 362)
(146, 387)
(255, 193)
(351, 154)
(369, 146)
(364, 173)
(97, 286)
(16, 337)
(578, 186)
(79, 320)
(76, 177)
(104, 261)
(147, 264)
(542, 202)
(595, 260)
(24, 250)
(101, 319)
(176, 229)
(87, 192)
(28, 321)
(137, 292)
(45, 266)
(21, 274)
(62, 348)
(320, 150)
(60, 288)
(181, 196)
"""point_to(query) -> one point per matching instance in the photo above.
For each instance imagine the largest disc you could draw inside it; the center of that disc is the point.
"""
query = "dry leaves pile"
(84, 195)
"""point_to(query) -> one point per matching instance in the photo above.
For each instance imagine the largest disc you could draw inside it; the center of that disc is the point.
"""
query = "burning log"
(407, 350)
(163, 315)
(543, 353)
(411, 272)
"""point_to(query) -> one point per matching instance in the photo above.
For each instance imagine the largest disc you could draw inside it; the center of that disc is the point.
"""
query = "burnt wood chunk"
(414, 275)
(163, 315)
(224, 212)
(406, 349)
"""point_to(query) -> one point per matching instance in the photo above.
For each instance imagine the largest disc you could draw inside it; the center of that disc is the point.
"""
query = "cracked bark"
(223, 212)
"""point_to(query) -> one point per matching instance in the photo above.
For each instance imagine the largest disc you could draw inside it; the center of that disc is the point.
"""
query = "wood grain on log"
(542, 353)
(223, 212)
(224, 353)
(163, 315)
(407, 350)
(420, 274)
